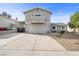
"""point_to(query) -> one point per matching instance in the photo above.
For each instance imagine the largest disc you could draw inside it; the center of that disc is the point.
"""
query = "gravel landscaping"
(69, 41)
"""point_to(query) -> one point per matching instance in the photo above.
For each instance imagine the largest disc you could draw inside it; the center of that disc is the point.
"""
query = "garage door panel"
(37, 28)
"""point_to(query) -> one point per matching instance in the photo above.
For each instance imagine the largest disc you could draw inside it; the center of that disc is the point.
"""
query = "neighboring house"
(37, 20)
(58, 27)
(7, 22)
(21, 24)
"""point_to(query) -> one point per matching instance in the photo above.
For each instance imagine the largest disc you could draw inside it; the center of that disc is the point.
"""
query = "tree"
(4, 13)
(71, 25)
(74, 21)
(9, 16)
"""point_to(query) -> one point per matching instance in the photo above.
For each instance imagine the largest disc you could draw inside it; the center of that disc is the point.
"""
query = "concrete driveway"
(29, 44)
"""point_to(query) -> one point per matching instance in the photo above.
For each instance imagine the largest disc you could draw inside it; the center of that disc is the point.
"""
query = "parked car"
(20, 29)
(2, 28)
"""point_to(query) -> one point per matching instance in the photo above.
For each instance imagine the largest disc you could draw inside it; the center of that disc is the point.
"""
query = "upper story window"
(37, 14)
(63, 27)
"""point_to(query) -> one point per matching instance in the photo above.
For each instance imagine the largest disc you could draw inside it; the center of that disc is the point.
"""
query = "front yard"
(69, 41)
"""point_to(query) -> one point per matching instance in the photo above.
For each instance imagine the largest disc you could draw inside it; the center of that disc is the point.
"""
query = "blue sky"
(60, 11)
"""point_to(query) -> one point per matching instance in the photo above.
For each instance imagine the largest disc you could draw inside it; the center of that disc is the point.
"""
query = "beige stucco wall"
(33, 28)
(45, 15)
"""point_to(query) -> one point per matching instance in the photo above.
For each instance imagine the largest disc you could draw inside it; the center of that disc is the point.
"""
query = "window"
(59, 27)
(37, 14)
(63, 27)
(53, 27)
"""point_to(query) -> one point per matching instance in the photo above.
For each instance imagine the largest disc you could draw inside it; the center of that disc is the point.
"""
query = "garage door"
(37, 28)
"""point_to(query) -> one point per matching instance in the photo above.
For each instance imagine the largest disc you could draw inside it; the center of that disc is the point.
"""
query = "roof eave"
(35, 8)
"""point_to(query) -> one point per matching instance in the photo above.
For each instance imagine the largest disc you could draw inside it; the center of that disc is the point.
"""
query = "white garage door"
(37, 28)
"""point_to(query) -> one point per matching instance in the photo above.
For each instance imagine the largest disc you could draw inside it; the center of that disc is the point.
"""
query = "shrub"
(58, 36)
(62, 32)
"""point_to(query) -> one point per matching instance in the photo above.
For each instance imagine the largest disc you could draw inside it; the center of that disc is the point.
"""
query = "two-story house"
(6, 21)
(37, 20)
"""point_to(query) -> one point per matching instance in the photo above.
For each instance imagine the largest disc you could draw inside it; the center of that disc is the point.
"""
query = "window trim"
(36, 13)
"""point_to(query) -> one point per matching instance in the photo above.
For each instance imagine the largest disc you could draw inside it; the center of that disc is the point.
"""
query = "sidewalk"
(5, 32)
(37, 53)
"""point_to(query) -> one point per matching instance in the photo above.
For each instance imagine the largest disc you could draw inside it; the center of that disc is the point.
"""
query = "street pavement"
(23, 44)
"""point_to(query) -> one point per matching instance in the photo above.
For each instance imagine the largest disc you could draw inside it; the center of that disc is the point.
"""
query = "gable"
(38, 9)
